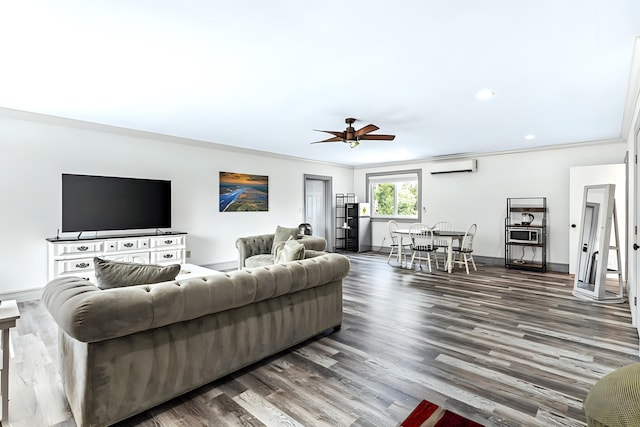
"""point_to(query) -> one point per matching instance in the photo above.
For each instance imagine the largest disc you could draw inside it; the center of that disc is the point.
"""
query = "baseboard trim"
(23, 296)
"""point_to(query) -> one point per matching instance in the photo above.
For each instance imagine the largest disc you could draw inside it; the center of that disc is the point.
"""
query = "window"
(395, 194)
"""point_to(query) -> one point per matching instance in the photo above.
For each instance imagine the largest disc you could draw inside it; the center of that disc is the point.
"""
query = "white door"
(317, 205)
(579, 177)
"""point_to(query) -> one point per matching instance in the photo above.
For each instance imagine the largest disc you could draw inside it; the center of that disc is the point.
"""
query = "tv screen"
(95, 203)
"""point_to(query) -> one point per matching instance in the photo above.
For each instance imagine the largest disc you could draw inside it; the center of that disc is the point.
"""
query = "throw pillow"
(115, 274)
(291, 251)
(281, 235)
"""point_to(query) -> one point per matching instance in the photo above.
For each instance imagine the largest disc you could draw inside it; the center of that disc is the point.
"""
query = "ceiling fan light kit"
(354, 137)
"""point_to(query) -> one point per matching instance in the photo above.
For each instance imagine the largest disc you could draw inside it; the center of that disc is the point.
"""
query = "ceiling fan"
(353, 137)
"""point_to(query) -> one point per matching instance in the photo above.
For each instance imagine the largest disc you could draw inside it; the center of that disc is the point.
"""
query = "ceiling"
(262, 75)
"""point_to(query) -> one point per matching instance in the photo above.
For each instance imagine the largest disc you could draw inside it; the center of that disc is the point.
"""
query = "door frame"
(328, 206)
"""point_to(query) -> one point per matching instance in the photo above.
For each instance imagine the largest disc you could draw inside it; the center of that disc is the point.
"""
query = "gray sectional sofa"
(127, 349)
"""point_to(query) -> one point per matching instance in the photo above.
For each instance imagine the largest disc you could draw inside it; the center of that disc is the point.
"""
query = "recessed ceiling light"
(529, 137)
(485, 94)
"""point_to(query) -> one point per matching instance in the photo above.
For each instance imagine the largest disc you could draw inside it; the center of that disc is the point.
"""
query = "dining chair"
(441, 243)
(421, 244)
(393, 227)
(463, 254)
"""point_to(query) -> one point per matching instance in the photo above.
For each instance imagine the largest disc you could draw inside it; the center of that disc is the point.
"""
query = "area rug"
(428, 414)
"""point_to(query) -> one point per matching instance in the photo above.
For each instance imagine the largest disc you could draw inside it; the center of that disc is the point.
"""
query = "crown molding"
(496, 153)
(133, 133)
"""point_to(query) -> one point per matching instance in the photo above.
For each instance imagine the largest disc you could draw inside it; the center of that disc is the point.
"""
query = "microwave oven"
(523, 235)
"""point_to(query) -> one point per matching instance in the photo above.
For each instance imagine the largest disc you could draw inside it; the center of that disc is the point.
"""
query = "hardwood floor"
(502, 347)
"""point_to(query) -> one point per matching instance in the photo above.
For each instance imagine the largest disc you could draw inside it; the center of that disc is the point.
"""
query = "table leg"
(4, 386)
(450, 255)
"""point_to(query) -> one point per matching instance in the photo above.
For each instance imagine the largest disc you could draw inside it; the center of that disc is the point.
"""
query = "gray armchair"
(255, 251)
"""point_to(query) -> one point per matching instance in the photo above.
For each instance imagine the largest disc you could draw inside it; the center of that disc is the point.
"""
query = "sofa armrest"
(311, 253)
(313, 243)
(253, 245)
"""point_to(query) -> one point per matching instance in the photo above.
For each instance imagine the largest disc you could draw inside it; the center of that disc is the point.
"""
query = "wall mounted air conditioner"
(455, 166)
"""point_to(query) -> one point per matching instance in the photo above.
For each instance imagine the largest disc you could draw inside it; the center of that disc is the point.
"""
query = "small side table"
(8, 314)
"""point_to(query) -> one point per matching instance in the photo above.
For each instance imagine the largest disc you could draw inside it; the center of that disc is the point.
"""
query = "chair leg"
(473, 262)
(390, 254)
(456, 259)
(429, 261)
(413, 256)
(466, 265)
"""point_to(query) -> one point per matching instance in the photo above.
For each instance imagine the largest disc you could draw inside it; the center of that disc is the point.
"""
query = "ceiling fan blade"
(332, 132)
(366, 129)
(334, 139)
(378, 137)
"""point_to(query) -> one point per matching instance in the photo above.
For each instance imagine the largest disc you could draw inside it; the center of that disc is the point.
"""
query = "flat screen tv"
(95, 203)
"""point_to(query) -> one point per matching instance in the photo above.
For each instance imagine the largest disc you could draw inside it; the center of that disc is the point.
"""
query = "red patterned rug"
(429, 414)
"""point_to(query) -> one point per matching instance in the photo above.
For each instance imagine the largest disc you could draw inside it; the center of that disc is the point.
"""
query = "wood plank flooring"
(502, 347)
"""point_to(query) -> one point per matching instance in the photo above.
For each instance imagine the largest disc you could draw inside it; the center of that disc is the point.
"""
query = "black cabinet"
(525, 233)
(353, 228)
(341, 235)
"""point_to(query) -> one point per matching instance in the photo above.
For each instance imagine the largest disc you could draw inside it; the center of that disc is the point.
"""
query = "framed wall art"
(241, 192)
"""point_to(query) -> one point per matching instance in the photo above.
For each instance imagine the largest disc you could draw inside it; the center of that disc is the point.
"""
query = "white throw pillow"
(291, 251)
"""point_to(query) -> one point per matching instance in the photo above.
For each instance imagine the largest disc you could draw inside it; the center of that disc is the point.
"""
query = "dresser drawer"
(167, 241)
(73, 266)
(78, 248)
(169, 257)
(125, 245)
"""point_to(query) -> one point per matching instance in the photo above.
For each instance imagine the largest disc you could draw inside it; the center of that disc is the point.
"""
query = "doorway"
(317, 206)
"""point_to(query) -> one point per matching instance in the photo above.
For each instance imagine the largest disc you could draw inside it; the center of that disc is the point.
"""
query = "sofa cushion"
(260, 260)
(281, 235)
(115, 274)
(291, 251)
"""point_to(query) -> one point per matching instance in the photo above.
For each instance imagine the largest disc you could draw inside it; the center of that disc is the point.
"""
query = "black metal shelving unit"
(525, 234)
(343, 238)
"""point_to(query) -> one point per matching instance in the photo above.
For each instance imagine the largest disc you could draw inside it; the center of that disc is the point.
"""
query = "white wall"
(481, 197)
(35, 152)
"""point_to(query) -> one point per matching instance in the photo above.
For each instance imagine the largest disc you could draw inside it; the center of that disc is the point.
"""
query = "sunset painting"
(241, 192)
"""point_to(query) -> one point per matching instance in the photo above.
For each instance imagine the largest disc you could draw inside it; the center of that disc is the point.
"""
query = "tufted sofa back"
(90, 314)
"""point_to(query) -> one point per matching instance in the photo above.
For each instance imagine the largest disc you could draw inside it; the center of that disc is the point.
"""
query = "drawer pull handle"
(167, 256)
(82, 265)
(168, 242)
(128, 245)
(83, 248)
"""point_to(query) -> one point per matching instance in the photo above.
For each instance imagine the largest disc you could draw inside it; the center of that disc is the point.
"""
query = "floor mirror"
(598, 243)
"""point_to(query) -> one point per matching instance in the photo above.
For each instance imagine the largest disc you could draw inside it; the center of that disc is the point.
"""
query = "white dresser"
(74, 257)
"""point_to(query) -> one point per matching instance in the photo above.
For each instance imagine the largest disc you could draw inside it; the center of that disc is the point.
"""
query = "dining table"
(448, 235)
